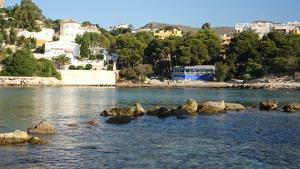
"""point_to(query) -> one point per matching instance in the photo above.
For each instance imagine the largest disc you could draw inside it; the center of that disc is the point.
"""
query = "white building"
(264, 27)
(69, 29)
(53, 49)
(46, 34)
(260, 27)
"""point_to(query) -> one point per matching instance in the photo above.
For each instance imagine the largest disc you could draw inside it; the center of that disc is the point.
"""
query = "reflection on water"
(250, 139)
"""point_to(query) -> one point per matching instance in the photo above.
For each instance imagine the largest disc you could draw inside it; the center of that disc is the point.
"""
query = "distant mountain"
(229, 31)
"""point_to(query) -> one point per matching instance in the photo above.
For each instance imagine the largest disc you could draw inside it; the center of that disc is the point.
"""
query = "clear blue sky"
(187, 12)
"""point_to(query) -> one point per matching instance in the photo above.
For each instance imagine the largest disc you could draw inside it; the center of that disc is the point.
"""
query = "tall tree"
(12, 36)
(26, 14)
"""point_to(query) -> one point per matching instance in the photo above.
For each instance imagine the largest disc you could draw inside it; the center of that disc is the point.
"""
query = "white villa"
(52, 49)
(69, 29)
(264, 27)
(66, 45)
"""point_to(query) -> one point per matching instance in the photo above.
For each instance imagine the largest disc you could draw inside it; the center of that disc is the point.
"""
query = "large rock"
(133, 111)
(119, 120)
(269, 105)
(43, 127)
(212, 107)
(234, 106)
(14, 137)
(161, 112)
(36, 140)
(191, 106)
(292, 107)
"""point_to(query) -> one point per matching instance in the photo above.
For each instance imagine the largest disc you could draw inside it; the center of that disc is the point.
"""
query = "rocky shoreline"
(7, 81)
(10, 81)
(279, 86)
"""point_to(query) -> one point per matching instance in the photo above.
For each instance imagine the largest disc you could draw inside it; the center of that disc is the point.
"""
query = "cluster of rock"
(271, 105)
(29, 81)
(18, 137)
(123, 115)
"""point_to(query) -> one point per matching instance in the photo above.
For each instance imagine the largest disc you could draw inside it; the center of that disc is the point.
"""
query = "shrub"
(21, 63)
(88, 67)
(72, 67)
(46, 68)
(80, 67)
(110, 67)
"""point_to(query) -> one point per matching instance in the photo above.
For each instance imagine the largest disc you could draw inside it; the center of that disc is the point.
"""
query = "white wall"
(45, 34)
(86, 77)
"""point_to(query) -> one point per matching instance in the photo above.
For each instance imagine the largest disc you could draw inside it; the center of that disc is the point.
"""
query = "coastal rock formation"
(292, 107)
(161, 112)
(29, 81)
(119, 120)
(269, 105)
(36, 140)
(234, 106)
(212, 107)
(191, 106)
(16, 137)
(42, 127)
(133, 111)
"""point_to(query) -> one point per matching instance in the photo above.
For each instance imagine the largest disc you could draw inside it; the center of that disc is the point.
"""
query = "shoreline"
(279, 86)
(52, 82)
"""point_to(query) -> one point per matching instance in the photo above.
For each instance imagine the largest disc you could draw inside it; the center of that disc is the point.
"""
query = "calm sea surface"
(249, 139)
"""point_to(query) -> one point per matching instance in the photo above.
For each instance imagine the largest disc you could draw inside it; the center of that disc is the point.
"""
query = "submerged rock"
(93, 122)
(42, 127)
(16, 137)
(36, 140)
(119, 120)
(292, 107)
(73, 124)
(161, 112)
(191, 106)
(133, 111)
(212, 107)
(269, 105)
(234, 106)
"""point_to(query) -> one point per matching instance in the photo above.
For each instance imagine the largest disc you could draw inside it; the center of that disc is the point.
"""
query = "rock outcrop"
(43, 127)
(161, 112)
(119, 120)
(16, 137)
(132, 111)
(234, 106)
(212, 107)
(269, 105)
(191, 106)
(292, 107)
(29, 81)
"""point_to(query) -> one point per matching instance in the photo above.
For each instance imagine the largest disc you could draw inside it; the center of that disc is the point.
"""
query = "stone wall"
(29, 81)
(88, 77)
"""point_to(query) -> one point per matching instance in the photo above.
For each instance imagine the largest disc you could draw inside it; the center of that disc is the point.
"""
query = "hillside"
(219, 30)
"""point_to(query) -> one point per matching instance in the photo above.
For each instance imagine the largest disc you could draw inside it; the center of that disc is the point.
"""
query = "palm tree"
(61, 61)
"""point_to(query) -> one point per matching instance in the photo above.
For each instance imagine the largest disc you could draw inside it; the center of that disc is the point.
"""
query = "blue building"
(203, 72)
